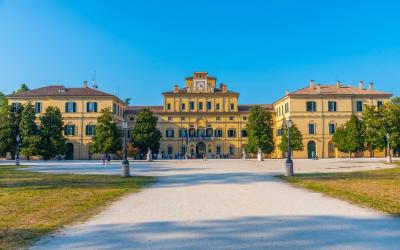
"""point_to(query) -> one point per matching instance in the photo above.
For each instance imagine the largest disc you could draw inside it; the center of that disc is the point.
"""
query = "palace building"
(204, 117)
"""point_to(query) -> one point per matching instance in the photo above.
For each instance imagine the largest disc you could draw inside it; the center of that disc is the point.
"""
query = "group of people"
(106, 158)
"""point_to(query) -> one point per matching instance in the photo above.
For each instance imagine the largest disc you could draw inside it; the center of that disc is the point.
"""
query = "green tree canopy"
(108, 138)
(374, 128)
(3, 102)
(22, 89)
(52, 141)
(9, 128)
(350, 137)
(259, 127)
(29, 131)
(145, 133)
(296, 139)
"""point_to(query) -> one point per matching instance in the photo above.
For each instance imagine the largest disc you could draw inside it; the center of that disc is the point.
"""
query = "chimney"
(176, 88)
(318, 88)
(223, 87)
(312, 84)
(338, 84)
(85, 84)
(361, 85)
(371, 86)
(286, 92)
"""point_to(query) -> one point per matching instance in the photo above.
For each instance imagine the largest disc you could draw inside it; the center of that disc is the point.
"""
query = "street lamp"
(289, 161)
(125, 162)
(388, 156)
(18, 138)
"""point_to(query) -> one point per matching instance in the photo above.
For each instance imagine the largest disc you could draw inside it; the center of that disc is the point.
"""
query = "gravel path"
(227, 205)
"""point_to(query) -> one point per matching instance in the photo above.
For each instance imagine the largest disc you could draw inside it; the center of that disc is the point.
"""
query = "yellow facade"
(79, 118)
(212, 117)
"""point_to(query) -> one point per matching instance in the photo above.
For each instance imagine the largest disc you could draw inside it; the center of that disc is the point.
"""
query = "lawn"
(33, 205)
(377, 189)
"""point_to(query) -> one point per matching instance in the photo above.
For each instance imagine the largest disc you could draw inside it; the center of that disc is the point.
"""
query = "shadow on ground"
(312, 232)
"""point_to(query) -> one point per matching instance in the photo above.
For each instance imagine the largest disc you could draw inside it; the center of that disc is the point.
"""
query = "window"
(114, 108)
(91, 107)
(359, 106)
(218, 149)
(131, 118)
(69, 130)
(379, 104)
(183, 118)
(209, 132)
(182, 133)
(231, 118)
(201, 132)
(217, 106)
(70, 107)
(208, 105)
(331, 128)
(169, 133)
(15, 106)
(168, 106)
(244, 133)
(311, 129)
(90, 130)
(218, 118)
(286, 107)
(200, 105)
(244, 118)
(332, 106)
(192, 132)
(231, 150)
(169, 118)
(191, 105)
(38, 107)
(231, 133)
(311, 106)
(183, 106)
(218, 132)
(279, 132)
(232, 106)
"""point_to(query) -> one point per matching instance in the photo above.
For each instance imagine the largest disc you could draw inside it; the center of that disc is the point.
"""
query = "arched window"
(90, 129)
(69, 130)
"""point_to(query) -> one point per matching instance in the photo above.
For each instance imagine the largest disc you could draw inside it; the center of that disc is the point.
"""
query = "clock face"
(201, 85)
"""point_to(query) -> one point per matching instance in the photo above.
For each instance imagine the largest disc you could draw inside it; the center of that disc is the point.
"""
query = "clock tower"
(200, 83)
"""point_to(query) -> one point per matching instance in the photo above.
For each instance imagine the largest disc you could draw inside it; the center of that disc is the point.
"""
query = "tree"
(10, 119)
(350, 137)
(108, 138)
(52, 141)
(21, 89)
(392, 122)
(296, 139)
(29, 131)
(145, 133)
(259, 127)
(374, 128)
(3, 102)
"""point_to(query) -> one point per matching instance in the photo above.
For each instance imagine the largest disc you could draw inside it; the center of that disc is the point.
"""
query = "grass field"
(35, 204)
(377, 189)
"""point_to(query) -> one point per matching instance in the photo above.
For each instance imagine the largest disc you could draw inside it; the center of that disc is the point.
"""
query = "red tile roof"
(335, 90)
(60, 90)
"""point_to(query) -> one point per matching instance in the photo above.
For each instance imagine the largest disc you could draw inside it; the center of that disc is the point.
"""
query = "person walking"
(103, 157)
(108, 159)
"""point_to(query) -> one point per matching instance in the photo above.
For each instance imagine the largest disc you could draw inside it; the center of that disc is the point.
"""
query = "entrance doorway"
(200, 149)
(69, 152)
(311, 149)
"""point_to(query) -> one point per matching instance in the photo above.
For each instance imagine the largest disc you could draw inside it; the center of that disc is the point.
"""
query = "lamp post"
(388, 156)
(18, 138)
(125, 162)
(289, 161)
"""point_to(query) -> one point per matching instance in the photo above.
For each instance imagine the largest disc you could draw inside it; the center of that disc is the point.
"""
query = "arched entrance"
(200, 149)
(331, 150)
(311, 149)
(69, 152)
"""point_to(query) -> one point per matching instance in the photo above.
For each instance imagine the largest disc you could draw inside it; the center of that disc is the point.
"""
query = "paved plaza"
(226, 204)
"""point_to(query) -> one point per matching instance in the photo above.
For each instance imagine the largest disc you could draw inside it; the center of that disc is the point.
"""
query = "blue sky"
(141, 48)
